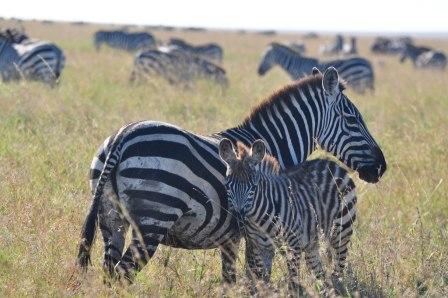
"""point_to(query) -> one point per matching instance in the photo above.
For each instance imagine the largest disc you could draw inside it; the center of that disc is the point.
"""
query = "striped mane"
(312, 81)
(269, 164)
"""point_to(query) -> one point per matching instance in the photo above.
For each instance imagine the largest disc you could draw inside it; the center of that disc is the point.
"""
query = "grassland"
(48, 137)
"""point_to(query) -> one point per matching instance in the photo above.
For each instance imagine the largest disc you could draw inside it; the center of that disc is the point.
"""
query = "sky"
(394, 16)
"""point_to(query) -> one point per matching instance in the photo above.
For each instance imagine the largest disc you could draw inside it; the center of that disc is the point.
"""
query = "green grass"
(48, 138)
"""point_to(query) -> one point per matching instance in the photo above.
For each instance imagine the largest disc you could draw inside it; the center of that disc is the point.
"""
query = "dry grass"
(48, 137)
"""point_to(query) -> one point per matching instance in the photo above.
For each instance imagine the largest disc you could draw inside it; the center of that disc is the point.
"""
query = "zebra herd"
(24, 58)
(421, 56)
(168, 185)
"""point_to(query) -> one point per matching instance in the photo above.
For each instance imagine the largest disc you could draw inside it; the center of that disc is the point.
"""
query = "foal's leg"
(229, 253)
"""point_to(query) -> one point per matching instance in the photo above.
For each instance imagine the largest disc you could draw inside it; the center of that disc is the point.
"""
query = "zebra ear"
(316, 71)
(330, 81)
(226, 151)
(258, 151)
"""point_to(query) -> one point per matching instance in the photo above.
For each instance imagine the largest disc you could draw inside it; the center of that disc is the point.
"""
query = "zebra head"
(344, 133)
(242, 177)
(267, 61)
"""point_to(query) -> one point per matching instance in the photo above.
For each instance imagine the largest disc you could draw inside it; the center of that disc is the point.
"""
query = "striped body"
(424, 57)
(128, 41)
(291, 207)
(171, 180)
(357, 72)
(211, 51)
(9, 60)
(40, 61)
(176, 66)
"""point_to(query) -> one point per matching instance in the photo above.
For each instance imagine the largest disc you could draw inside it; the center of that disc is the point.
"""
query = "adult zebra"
(210, 51)
(129, 41)
(9, 60)
(423, 57)
(37, 60)
(40, 61)
(170, 181)
(357, 72)
(176, 66)
(291, 207)
(333, 48)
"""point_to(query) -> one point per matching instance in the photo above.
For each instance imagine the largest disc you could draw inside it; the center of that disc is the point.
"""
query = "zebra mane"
(269, 164)
(312, 81)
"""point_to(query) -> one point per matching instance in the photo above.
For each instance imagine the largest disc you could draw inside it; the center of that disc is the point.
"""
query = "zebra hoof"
(338, 285)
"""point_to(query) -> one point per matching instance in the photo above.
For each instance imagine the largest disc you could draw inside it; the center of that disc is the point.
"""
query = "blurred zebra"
(356, 71)
(291, 207)
(210, 51)
(333, 48)
(9, 60)
(350, 48)
(176, 66)
(33, 59)
(384, 45)
(424, 57)
(129, 41)
(167, 182)
(40, 61)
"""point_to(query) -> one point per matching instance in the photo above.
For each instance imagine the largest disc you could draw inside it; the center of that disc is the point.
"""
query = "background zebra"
(9, 60)
(350, 48)
(384, 45)
(423, 57)
(37, 60)
(333, 48)
(210, 51)
(291, 207)
(357, 72)
(176, 66)
(170, 180)
(129, 41)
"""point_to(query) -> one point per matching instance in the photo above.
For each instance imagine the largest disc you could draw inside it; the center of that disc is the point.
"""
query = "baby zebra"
(291, 207)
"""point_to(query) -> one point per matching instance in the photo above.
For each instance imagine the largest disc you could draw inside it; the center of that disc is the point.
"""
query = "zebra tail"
(90, 223)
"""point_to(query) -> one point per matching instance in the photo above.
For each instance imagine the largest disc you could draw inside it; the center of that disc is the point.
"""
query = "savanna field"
(49, 136)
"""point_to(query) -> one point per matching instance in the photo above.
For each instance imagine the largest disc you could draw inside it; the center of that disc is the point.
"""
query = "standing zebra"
(333, 48)
(40, 61)
(210, 51)
(291, 207)
(357, 72)
(350, 48)
(9, 60)
(167, 183)
(176, 66)
(424, 57)
(124, 40)
(37, 60)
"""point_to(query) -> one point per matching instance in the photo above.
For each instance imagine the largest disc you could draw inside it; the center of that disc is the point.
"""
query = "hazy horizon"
(381, 16)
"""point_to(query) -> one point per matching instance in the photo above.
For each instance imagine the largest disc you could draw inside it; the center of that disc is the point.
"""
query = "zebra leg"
(113, 228)
(314, 264)
(255, 265)
(293, 265)
(140, 251)
(340, 240)
(229, 253)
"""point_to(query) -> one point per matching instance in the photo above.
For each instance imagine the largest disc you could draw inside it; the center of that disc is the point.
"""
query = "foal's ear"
(226, 151)
(258, 151)
(316, 71)
(330, 81)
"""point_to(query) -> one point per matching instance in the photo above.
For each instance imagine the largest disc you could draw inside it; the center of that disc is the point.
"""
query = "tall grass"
(48, 137)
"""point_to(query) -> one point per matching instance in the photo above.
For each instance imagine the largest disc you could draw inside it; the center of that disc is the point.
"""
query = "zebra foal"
(290, 207)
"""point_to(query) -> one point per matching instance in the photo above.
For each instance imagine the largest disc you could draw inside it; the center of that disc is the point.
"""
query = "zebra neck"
(295, 64)
(241, 134)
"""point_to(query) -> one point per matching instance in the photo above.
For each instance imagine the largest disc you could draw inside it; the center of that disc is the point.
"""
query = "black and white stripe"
(31, 59)
(176, 66)
(9, 60)
(40, 61)
(129, 41)
(168, 182)
(292, 208)
(356, 71)
(424, 57)
(211, 51)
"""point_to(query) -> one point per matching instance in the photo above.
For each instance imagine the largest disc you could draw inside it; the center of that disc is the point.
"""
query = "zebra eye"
(351, 120)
